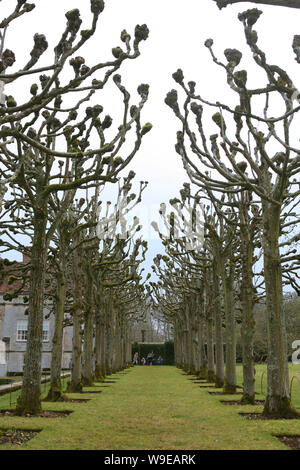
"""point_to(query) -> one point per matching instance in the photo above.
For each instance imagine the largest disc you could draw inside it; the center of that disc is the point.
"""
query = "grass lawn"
(153, 408)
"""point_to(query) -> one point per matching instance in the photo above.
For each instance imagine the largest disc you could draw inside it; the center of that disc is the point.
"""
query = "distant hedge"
(166, 351)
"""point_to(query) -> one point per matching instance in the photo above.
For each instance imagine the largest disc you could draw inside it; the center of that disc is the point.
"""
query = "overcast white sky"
(177, 33)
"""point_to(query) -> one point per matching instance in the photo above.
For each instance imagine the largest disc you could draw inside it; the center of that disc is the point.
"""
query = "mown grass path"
(150, 408)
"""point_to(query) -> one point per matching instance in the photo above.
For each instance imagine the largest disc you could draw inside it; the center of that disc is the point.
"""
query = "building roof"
(11, 270)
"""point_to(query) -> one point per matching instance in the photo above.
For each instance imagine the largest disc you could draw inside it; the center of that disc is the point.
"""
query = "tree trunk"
(87, 372)
(203, 357)
(75, 384)
(196, 347)
(247, 350)
(103, 351)
(282, 3)
(88, 345)
(99, 377)
(55, 392)
(248, 323)
(108, 328)
(209, 325)
(230, 370)
(278, 398)
(29, 401)
(210, 349)
(219, 380)
(190, 369)
(195, 336)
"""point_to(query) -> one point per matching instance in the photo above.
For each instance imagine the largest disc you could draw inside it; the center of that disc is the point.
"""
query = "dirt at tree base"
(260, 416)
(291, 441)
(17, 436)
(234, 402)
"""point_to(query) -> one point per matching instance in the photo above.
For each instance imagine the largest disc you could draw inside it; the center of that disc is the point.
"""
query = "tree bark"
(196, 345)
(209, 325)
(283, 3)
(107, 338)
(55, 392)
(75, 384)
(230, 369)
(29, 401)
(219, 380)
(87, 372)
(248, 323)
(99, 376)
(203, 357)
(278, 397)
(210, 349)
(190, 368)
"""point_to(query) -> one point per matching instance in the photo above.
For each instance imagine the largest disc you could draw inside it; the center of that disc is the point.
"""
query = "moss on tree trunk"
(57, 341)
(278, 396)
(87, 372)
(230, 370)
(29, 401)
(219, 379)
(55, 394)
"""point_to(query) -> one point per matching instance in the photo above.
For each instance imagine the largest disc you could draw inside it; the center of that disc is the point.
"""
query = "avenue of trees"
(59, 148)
(247, 173)
(54, 145)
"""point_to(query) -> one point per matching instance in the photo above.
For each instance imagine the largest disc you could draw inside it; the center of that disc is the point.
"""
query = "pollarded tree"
(187, 287)
(118, 295)
(222, 242)
(114, 258)
(247, 228)
(43, 128)
(78, 218)
(168, 296)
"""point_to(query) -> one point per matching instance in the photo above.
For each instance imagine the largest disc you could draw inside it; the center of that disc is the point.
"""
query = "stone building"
(13, 335)
(150, 329)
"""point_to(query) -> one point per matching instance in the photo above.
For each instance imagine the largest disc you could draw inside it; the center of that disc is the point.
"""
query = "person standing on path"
(150, 358)
(135, 360)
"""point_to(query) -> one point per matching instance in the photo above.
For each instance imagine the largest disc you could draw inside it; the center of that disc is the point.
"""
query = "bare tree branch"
(282, 3)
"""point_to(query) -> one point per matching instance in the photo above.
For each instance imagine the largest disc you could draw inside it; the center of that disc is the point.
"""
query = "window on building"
(22, 327)
(45, 331)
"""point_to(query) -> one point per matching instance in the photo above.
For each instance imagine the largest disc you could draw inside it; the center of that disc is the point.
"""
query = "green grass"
(154, 408)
